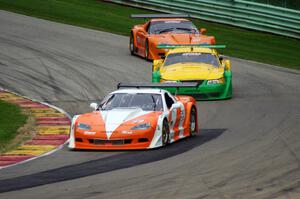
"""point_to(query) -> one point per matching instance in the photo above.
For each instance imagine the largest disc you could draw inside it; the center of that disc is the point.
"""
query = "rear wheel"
(131, 45)
(165, 133)
(193, 118)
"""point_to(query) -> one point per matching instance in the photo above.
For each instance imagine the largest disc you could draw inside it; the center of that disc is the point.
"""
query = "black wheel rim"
(193, 123)
(146, 51)
(164, 134)
(131, 45)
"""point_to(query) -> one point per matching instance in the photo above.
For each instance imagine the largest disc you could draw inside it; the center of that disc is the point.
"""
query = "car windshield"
(206, 58)
(159, 27)
(145, 101)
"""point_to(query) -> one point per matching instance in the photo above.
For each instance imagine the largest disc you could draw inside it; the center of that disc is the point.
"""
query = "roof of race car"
(138, 90)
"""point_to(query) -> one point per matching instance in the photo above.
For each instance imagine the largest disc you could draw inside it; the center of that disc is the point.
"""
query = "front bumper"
(207, 92)
(120, 142)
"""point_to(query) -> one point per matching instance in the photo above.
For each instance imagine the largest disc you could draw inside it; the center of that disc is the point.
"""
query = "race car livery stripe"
(172, 121)
(114, 118)
(182, 116)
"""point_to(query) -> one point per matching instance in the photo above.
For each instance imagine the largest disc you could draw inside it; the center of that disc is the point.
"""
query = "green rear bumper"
(205, 91)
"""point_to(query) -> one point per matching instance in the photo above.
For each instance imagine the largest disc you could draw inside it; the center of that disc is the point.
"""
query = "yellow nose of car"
(190, 63)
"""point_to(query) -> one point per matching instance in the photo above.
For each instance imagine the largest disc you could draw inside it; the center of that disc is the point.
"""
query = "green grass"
(11, 119)
(246, 44)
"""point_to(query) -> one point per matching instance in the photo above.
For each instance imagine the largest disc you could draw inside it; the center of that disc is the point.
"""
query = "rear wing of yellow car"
(155, 16)
(157, 85)
(170, 46)
(176, 85)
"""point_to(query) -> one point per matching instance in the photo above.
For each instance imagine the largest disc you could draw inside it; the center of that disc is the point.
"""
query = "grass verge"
(241, 43)
(11, 119)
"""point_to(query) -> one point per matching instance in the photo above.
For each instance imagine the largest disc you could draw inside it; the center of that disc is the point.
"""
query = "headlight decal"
(144, 126)
(83, 126)
(216, 81)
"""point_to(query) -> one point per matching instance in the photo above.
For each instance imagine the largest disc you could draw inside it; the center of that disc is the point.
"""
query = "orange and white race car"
(136, 117)
(164, 29)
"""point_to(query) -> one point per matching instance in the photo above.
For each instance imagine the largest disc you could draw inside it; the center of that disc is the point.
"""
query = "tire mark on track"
(120, 161)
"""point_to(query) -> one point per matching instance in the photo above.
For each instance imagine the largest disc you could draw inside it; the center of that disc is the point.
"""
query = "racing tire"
(131, 45)
(193, 122)
(147, 51)
(165, 133)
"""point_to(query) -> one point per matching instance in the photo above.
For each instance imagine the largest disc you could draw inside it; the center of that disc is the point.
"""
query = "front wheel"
(165, 133)
(193, 122)
(131, 45)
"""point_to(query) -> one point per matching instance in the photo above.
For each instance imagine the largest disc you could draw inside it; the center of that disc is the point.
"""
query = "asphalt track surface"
(248, 147)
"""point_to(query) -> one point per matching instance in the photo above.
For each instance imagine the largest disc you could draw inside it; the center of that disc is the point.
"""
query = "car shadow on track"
(107, 164)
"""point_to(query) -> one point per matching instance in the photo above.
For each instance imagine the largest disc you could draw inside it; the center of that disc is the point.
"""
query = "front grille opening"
(143, 140)
(109, 142)
(200, 96)
(199, 81)
(128, 141)
(78, 140)
(214, 94)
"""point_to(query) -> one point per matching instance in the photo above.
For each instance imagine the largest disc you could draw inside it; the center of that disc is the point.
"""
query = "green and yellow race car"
(195, 63)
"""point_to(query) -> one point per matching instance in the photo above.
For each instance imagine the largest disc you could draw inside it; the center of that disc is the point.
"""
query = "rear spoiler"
(153, 16)
(176, 85)
(157, 85)
(167, 46)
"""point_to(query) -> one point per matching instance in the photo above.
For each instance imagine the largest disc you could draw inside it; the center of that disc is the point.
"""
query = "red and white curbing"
(52, 126)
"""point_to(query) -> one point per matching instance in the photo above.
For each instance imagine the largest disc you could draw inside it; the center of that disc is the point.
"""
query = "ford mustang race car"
(164, 29)
(136, 118)
(195, 63)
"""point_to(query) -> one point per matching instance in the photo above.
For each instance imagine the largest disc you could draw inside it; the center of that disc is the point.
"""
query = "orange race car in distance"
(164, 29)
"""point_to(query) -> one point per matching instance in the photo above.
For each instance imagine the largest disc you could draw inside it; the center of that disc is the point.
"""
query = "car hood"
(116, 117)
(191, 71)
(109, 121)
(173, 38)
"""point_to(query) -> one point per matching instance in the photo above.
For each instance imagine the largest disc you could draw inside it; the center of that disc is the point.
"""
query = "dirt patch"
(24, 133)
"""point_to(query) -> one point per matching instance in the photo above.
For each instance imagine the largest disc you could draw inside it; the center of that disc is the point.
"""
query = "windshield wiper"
(187, 29)
(166, 30)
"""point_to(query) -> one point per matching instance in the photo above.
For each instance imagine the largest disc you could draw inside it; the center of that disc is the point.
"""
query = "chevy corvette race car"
(136, 118)
(164, 29)
(195, 63)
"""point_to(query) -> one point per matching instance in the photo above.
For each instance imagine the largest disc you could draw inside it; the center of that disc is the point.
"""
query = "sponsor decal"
(89, 133)
(138, 39)
(138, 121)
(191, 54)
(182, 116)
(126, 132)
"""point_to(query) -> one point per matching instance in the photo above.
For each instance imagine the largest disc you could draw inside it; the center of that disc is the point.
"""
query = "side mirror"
(221, 58)
(94, 106)
(227, 64)
(156, 64)
(202, 31)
